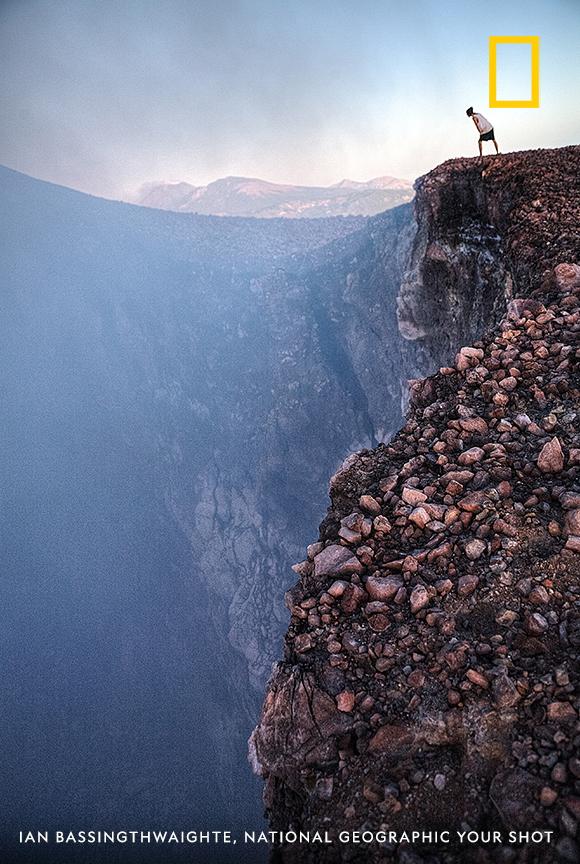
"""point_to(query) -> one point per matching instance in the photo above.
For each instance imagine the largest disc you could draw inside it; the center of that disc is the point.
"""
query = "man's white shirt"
(482, 123)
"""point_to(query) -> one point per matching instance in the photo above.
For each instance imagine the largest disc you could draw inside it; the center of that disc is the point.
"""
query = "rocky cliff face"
(429, 669)
(316, 388)
(482, 233)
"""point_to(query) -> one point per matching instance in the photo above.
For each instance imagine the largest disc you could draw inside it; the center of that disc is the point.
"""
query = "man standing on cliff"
(484, 128)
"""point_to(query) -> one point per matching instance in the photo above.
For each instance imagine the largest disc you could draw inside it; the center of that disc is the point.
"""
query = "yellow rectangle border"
(534, 42)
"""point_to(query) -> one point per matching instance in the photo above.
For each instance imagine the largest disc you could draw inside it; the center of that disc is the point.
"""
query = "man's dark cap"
(469, 112)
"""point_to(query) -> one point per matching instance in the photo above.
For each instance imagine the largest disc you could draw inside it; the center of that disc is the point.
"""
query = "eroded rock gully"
(429, 671)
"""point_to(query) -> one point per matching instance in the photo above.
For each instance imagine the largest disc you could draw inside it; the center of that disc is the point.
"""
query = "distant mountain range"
(245, 196)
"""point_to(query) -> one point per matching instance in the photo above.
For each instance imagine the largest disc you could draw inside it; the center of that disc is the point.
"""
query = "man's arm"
(475, 121)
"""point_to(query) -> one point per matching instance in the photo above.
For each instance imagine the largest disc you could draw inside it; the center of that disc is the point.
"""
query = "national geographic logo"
(534, 43)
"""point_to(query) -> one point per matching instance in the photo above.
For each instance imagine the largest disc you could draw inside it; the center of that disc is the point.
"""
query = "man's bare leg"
(480, 151)
(496, 147)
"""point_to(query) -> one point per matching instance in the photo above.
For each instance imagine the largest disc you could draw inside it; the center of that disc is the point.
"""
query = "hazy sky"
(102, 95)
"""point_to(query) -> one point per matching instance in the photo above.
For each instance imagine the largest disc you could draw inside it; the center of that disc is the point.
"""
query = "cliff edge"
(430, 665)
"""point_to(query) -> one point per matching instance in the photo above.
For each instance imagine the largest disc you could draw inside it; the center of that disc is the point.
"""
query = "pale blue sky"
(102, 95)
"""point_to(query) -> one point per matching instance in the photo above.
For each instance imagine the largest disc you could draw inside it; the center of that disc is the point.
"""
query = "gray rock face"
(177, 391)
(470, 255)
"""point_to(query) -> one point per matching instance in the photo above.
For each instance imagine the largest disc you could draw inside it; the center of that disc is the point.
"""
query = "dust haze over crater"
(104, 96)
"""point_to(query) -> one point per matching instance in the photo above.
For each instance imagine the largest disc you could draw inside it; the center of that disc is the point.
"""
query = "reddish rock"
(521, 305)
(551, 458)
(471, 353)
(352, 598)
(474, 424)
(474, 549)
(345, 701)
(538, 595)
(461, 477)
(299, 721)
(573, 522)
(416, 678)
(410, 564)
(436, 511)
(469, 457)
(413, 496)
(302, 568)
(477, 678)
(391, 740)
(313, 549)
(370, 504)
(535, 624)
(567, 276)
(508, 383)
(573, 805)
(303, 642)
(570, 500)
(547, 796)
(337, 588)
(382, 525)
(387, 484)
(420, 517)
(349, 536)
(505, 617)
(473, 503)
(373, 791)
(561, 712)
(467, 584)
(383, 587)
(379, 623)
(559, 774)
(336, 561)
(375, 606)
(419, 598)
(504, 489)
(505, 693)
(500, 526)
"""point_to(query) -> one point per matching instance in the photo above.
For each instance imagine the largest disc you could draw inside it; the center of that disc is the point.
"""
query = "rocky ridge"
(430, 664)
(247, 196)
